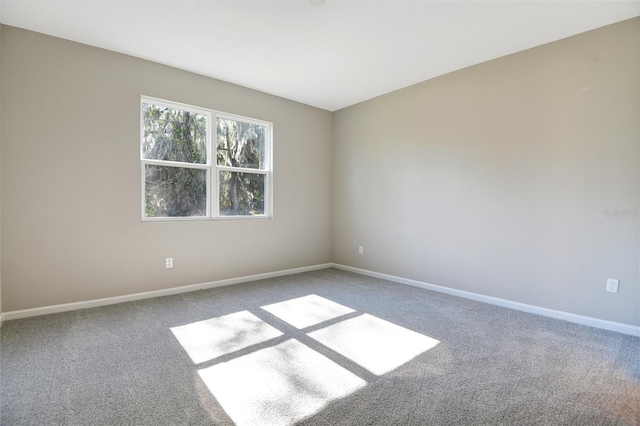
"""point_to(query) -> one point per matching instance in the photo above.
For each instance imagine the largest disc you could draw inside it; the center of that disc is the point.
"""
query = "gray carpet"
(361, 351)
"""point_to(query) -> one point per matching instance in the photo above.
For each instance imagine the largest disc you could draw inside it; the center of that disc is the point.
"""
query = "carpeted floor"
(321, 348)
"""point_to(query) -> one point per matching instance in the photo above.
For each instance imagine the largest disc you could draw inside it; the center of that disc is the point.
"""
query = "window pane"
(174, 135)
(241, 144)
(241, 193)
(175, 191)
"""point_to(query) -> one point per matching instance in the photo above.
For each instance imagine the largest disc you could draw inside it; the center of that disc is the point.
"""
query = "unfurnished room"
(319, 212)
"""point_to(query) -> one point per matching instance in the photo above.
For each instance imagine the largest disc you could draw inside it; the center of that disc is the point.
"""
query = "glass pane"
(241, 193)
(175, 191)
(241, 144)
(174, 135)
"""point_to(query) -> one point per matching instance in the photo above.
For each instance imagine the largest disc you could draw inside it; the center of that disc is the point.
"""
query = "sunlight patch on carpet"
(209, 339)
(307, 311)
(373, 343)
(280, 385)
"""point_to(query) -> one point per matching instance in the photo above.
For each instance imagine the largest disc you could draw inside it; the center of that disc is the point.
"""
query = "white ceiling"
(329, 56)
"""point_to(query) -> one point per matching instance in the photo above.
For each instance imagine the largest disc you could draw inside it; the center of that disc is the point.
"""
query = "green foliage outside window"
(241, 145)
(180, 136)
(180, 190)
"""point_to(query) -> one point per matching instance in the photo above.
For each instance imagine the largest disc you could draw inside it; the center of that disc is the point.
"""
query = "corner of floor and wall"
(514, 182)
(516, 179)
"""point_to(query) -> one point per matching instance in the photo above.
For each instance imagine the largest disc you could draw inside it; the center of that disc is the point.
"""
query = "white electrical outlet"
(168, 263)
(612, 285)
(360, 250)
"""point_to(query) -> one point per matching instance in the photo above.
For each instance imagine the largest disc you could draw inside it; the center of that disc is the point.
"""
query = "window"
(182, 178)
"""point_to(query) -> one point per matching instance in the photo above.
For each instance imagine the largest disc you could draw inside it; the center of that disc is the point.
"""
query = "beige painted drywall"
(495, 179)
(0, 174)
(71, 179)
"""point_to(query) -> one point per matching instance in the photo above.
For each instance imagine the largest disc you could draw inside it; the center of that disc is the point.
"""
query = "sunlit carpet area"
(321, 348)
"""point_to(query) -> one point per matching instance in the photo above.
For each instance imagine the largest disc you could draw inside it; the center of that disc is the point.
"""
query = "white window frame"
(211, 166)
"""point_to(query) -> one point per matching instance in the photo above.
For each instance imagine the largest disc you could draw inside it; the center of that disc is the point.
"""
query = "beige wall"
(495, 179)
(0, 173)
(71, 179)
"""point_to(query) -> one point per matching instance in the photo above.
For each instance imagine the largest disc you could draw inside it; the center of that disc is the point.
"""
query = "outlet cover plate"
(612, 285)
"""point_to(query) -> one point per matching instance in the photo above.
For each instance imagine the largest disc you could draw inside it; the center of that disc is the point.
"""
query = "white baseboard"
(25, 313)
(578, 319)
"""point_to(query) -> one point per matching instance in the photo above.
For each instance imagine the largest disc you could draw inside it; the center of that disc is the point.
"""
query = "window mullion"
(175, 164)
(215, 197)
(209, 142)
(242, 170)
